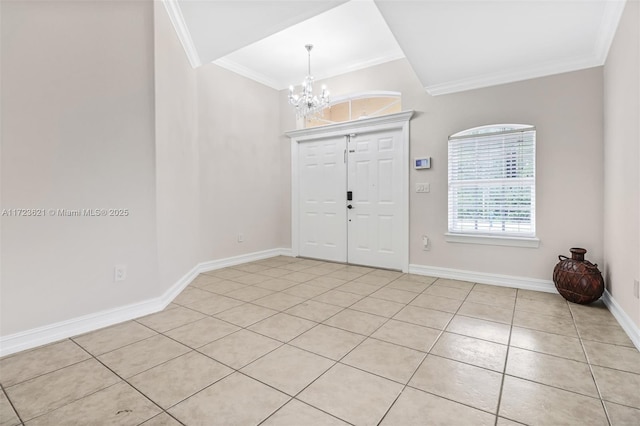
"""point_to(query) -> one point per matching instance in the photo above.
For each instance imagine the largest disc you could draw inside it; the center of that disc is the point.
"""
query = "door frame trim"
(395, 121)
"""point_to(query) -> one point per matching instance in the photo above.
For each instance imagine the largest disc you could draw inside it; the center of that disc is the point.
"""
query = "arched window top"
(491, 129)
(492, 181)
(356, 106)
(367, 94)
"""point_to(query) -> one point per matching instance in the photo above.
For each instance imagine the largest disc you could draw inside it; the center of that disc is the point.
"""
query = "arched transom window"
(357, 106)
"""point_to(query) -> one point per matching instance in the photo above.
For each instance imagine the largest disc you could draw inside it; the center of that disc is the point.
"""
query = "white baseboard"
(61, 330)
(72, 327)
(212, 265)
(627, 324)
(243, 258)
(524, 283)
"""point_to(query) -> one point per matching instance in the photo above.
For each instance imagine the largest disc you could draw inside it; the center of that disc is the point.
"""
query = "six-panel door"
(322, 177)
(375, 179)
(370, 231)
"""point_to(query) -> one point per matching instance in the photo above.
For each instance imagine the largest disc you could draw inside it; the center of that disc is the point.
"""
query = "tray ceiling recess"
(451, 45)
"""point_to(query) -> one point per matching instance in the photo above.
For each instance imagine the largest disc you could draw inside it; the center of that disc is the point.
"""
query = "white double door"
(368, 228)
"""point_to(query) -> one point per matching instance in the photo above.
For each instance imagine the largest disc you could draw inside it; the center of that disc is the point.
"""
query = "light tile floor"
(288, 341)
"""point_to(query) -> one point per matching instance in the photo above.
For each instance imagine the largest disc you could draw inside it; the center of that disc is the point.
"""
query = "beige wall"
(177, 155)
(206, 159)
(220, 169)
(622, 157)
(242, 170)
(196, 163)
(567, 112)
(78, 132)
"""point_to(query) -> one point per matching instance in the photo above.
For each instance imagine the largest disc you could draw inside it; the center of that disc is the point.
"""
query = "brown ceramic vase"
(578, 280)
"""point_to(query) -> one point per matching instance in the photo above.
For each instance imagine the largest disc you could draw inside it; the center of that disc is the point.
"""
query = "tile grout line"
(70, 339)
(71, 402)
(2, 389)
(238, 370)
(127, 381)
(342, 309)
(369, 336)
(48, 372)
(593, 376)
(506, 358)
(455, 360)
(276, 313)
(296, 284)
(294, 397)
(427, 354)
(291, 398)
(336, 362)
(195, 349)
(162, 410)
(251, 302)
(564, 358)
(91, 356)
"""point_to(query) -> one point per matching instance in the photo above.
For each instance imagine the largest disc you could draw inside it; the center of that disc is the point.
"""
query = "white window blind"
(492, 181)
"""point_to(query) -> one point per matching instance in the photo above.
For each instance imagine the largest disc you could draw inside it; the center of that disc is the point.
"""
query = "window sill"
(493, 240)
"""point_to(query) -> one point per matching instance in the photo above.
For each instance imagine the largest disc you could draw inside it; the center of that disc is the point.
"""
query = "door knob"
(349, 206)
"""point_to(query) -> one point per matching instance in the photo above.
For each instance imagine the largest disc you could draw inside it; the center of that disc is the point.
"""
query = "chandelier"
(306, 103)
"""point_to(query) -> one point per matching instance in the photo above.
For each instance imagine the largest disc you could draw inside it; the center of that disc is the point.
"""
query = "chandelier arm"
(305, 103)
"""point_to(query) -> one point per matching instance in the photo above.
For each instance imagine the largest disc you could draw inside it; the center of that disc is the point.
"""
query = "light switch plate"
(423, 187)
(119, 273)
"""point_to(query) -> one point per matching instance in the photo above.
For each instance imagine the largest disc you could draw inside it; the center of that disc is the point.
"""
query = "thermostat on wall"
(423, 163)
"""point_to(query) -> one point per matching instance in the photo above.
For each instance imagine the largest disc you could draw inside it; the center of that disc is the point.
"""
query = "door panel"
(385, 240)
(375, 177)
(322, 189)
(371, 232)
(385, 182)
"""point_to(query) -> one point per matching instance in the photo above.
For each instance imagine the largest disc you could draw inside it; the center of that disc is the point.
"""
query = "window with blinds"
(492, 185)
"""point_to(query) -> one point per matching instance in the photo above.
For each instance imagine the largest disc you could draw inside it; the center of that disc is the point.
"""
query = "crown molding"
(513, 76)
(612, 13)
(395, 120)
(175, 15)
(247, 72)
(608, 26)
(280, 85)
(359, 66)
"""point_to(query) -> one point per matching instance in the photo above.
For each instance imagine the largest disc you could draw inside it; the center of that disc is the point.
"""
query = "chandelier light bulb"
(305, 102)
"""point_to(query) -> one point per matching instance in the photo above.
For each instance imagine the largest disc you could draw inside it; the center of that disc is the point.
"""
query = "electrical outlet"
(636, 289)
(120, 273)
(240, 237)
(425, 243)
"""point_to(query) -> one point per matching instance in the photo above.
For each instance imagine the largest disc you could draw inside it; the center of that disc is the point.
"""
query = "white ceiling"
(452, 45)
(348, 37)
(459, 45)
(210, 29)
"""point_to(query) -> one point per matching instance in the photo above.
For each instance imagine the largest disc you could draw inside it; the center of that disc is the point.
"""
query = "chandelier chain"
(305, 102)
